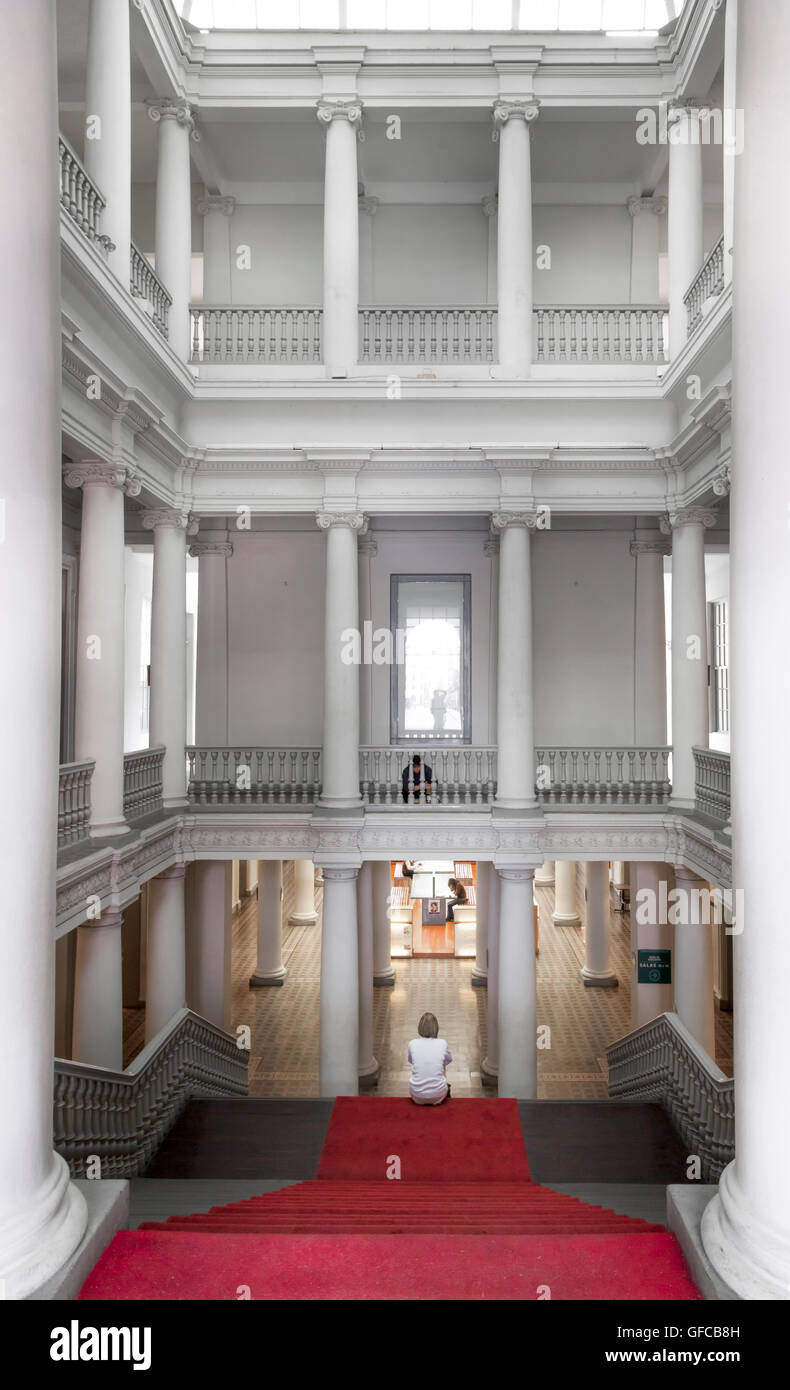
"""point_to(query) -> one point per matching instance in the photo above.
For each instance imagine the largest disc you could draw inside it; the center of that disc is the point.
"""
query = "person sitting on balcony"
(428, 1055)
(416, 771)
(459, 897)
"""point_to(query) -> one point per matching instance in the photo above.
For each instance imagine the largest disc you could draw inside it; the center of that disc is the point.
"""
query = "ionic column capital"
(216, 202)
(659, 546)
(516, 873)
(328, 110)
(175, 518)
(722, 481)
(656, 206)
(199, 550)
(526, 110)
(173, 109)
(689, 516)
(353, 520)
(96, 472)
(110, 917)
(340, 873)
(526, 517)
(175, 871)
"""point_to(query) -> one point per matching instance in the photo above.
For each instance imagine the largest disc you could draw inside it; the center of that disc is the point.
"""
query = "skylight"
(587, 16)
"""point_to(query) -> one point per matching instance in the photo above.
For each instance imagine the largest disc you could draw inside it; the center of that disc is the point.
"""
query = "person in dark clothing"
(416, 771)
(459, 897)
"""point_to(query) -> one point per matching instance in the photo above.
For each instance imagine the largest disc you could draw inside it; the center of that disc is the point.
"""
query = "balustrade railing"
(79, 195)
(142, 782)
(427, 334)
(122, 1117)
(238, 333)
(712, 783)
(462, 776)
(253, 776)
(707, 283)
(663, 1062)
(600, 333)
(145, 284)
(74, 802)
(603, 776)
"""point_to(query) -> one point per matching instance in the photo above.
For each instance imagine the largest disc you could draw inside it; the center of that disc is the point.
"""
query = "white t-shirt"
(428, 1057)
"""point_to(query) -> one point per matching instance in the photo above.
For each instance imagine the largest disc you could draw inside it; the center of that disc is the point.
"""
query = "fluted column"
(339, 1021)
(97, 1030)
(211, 683)
(565, 913)
(689, 645)
(341, 120)
(168, 707)
(515, 713)
(482, 895)
(42, 1214)
(209, 941)
(98, 731)
(684, 224)
(518, 1047)
(512, 120)
(693, 973)
(108, 125)
(650, 640)
(216, 212)
(645, 214)
(490, 1063)
(650, 931)
(367, 549)
(173, 222)
(341, 677)
(368, 1066)
(304, 913)
(597, 971)
(165, 971)
(270, 969)
(383, 971)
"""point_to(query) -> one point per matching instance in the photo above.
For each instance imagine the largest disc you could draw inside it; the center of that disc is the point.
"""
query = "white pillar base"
(369, 1073)
(479, 978)
(566, 919)
(302, 919)
(41, 1236)
(387, 977)
(489, 1071)
(592, 979)
(272, 977)
(751, 1257)
(114, 828)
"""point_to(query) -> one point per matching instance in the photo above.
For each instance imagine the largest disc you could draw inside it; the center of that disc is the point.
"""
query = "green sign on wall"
(654, 967)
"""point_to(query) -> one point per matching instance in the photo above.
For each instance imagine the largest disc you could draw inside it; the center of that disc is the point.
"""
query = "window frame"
(403, 740)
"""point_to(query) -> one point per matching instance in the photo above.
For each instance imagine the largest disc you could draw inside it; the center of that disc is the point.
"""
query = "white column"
(173, 223)
(209, 940)
(489, 206)
(341, 677)
(565, 913)
(597, 970)
(368, 1067)
(367, 549)
(482, 895)
(518, 1045)
(746, 1229)
(684, 225)
(689, 646)
(732, 141)
(97, 1030)
(650, 931)
(98, 731)
(512, 121)
(645, 213)
(108, 125)
(42, 1216)
(341, 120)
(650, 640)
(168, 708)
(304, 914)
(544, 876)
(693, 965)
(211, 681)
(270, 969)
(515, 733)
(165, 974)
(216, 212)
(339, 1022)
(383, 970)
(490, 1063)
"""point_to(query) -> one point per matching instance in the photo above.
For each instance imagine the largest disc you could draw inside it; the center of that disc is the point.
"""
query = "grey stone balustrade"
(79, 195)
(712, 783)
(617, 776)
(461, 776)
(247, 333)
(146, 285)
(709, 282)
(253, 776)
(601, 333)
(74, 802)
(142, 782)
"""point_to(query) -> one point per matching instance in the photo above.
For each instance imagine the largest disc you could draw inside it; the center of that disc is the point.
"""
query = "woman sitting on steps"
(429, 1055)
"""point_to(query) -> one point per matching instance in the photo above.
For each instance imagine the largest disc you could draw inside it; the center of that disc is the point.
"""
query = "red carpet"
(464, 1208)
(460, 1141)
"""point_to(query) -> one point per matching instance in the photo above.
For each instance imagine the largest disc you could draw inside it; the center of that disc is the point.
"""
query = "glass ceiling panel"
(586, 16)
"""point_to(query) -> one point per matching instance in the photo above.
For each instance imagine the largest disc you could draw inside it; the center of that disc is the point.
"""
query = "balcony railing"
(74, 802)
(712, 783)
(463, 776)
(253, 776)
(142, 782)
(708, 283)
(601, 333)
(145, 284)
(238, 333)
(79, 195)
(427, 334)
(602, 776)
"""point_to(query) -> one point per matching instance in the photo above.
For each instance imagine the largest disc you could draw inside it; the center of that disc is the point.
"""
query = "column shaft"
(650, 653)
(368, 1066)
(366, 550)
(490, 1064)
(515, 716)
(482, 895)
(341, 237)
(565, 912)
(108, 125)
(341, 677)
(209, 937)
(689, 648)
(211, 680)
(514, 238)
(270, 969)
(97, 1033)
(383, 971)
(339, 1023)
(597, 970)
(518, 1055)
(173, 221)
(693, 972)
(684, 226)
(545, 876)
(168, 708)
(304, 913)
(165, 990)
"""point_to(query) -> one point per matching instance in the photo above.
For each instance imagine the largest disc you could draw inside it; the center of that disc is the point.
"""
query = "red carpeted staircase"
(398, 1185)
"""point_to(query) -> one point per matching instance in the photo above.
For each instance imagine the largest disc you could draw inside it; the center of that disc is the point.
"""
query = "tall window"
(720, 668)
(431, 680)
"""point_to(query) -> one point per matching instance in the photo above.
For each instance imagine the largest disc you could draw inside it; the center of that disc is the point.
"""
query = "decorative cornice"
(688, 516)
(526, 517)
(659, 546)
(656, 206)
(216, 202)
(199, 550)
(504, 111)
(173, 109)
(722, 482)
(354, 520)
(175, 518)
(87, 472)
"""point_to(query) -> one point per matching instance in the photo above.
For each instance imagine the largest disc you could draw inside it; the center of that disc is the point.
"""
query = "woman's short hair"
(428, 1026)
